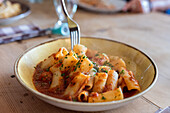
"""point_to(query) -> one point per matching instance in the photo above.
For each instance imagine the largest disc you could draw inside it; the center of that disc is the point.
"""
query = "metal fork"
(73, 27)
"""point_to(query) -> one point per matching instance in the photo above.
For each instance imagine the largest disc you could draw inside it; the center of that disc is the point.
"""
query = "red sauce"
(127, 93)
(42, 80)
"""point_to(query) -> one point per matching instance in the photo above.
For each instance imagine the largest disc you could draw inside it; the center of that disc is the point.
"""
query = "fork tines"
(73, 27)
(75, 36)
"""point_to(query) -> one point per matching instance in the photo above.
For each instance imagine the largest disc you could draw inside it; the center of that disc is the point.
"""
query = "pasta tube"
(80, 49)
(83, 96)
(121, 82)
(68, 61)
(112, 80)
(100, 58)
(107, 96)
(104, 69)
(91, 53)
(57, 80)
(129, 79)
(48, 62)
(117, 63)
(61, 53)
(99, 82)
(84, 65)
(76, 85)
(89, 84)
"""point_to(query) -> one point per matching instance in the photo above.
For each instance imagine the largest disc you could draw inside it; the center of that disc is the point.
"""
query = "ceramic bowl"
(119, 4)
(140, 63)
(25, 11)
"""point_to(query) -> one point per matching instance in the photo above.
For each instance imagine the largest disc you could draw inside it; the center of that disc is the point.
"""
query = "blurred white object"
(71, 8)
(61, 23)
(146, 6)
(70, 5)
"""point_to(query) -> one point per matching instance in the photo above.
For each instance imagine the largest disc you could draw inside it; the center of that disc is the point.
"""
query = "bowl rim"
(81, 103)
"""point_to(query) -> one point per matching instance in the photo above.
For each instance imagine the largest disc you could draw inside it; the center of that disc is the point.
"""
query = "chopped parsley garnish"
(62, 74)
(84, 57)
(61, 65)
(103, 70)
(67, 76)
(108, 64)
(97, 54)
(78, 63)
(89, 64)
(74, 100)
(94, 63)
(65, 57)
(122, 72)
(79, 56)
(60, 61)
(103, 98)
(48, 69)
(75, 68)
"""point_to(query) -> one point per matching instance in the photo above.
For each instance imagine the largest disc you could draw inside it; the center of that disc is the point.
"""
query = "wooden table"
(148, 32)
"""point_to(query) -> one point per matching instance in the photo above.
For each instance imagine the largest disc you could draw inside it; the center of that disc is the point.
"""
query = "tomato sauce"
(42, 80)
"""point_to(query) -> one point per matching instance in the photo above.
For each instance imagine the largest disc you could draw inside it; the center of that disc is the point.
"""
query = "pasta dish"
(102, 4)
(84, 75)
(9, 10)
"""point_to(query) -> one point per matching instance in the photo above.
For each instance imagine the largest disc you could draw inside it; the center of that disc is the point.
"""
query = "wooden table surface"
(149, 33)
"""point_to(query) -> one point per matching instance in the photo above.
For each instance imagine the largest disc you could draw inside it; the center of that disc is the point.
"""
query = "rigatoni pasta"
(100, 82)
(90, 83)
(83, 96)
(84, 75)
(76, 85)
(112, 95)
(112, 80)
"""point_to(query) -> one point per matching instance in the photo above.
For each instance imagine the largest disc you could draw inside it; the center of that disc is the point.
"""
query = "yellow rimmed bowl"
(140, 63)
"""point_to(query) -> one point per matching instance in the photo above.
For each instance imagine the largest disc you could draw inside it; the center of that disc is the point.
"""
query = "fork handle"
(64, 8)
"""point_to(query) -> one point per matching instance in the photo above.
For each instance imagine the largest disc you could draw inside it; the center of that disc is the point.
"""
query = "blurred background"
(143, 24)
(48, 15)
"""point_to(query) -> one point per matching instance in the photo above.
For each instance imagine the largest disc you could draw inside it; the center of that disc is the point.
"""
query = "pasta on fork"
(84, 75)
